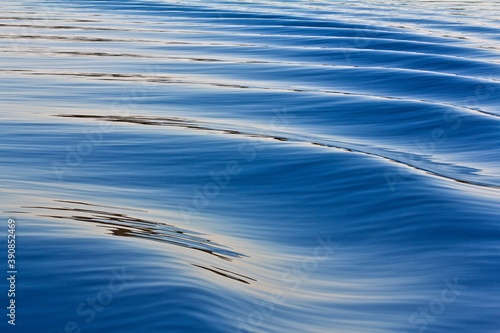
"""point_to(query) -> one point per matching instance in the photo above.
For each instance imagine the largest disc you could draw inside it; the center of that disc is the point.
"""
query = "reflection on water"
(230, 142)
(228, 274)
(124, 225)
(456, 173)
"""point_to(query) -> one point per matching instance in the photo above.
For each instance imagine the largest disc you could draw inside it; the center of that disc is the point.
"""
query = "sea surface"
(250, 166)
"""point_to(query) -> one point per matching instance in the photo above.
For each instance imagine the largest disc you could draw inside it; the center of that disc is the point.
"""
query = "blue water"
(251, 166)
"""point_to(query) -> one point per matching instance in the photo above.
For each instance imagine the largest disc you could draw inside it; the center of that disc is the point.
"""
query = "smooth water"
(251, 166)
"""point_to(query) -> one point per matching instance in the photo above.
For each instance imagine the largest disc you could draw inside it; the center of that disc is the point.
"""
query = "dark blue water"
(251, 166)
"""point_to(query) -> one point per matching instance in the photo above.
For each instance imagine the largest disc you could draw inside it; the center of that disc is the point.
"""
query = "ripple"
(119, 224)
(387, 142)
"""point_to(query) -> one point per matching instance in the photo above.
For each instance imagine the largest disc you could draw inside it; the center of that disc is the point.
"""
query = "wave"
(268, 166)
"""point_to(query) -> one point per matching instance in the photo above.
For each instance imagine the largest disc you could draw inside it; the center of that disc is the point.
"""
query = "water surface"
(252, 166)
